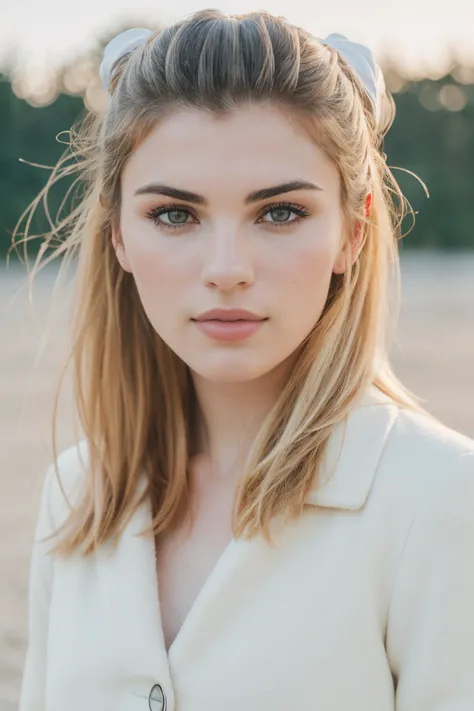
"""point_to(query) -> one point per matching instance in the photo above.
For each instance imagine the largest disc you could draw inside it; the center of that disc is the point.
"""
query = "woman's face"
(240, 212)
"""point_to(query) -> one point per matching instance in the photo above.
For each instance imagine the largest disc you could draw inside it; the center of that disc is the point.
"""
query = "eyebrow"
(255, 196)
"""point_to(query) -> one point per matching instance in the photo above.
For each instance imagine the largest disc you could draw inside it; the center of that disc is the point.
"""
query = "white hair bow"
(358, 56)
(361, 59)
(118, 47)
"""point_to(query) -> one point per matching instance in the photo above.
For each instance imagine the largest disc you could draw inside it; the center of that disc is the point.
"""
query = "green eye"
(169, 217)
(176, 216)
(281, 214)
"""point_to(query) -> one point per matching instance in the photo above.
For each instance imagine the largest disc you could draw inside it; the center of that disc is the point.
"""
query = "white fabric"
(365, 604)
(118, 47)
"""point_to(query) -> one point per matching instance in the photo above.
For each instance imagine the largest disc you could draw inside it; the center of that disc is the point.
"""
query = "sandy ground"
(434, 355)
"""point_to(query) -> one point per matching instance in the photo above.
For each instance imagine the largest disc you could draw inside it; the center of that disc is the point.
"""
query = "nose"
(228, 262)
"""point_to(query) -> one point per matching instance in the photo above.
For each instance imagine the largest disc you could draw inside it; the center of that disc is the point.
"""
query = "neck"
(229, 417)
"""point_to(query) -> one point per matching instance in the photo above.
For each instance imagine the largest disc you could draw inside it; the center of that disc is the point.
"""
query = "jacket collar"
(353, 454)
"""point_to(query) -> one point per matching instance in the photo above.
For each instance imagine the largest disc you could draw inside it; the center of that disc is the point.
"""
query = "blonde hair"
(134, 396)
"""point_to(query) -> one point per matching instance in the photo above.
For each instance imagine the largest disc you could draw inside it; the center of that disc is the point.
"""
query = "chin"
(235, 369)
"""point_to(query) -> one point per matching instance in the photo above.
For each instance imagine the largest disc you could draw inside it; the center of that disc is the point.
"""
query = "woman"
(259, 515)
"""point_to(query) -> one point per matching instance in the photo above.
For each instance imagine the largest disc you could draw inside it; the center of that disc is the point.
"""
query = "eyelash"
(155, 213)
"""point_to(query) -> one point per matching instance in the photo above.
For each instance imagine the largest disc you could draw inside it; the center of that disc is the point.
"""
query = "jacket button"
(157, 699)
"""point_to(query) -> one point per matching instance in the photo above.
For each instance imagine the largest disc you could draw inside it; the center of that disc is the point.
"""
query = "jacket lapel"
(353, 453)
(128, 589)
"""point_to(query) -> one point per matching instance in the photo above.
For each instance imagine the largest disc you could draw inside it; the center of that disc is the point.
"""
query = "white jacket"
(365, 604)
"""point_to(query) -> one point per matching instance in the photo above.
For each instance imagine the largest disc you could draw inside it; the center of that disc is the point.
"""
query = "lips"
(229, 326)
(229, 315)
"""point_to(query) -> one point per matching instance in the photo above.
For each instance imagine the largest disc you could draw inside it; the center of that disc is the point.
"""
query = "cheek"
(159, 277)
(304, 278)
(153, 259)
(149, 270)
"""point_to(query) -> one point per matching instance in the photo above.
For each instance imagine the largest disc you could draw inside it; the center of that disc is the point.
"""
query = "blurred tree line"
(433, 137)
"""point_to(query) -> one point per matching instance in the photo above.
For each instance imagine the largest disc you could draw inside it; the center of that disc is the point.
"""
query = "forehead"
(254, 145)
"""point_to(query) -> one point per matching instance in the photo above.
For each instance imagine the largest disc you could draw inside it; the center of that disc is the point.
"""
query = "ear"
(352, 246)
(120, 249)
(349, 250)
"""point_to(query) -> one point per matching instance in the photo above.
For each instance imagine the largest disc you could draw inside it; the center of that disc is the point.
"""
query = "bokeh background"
(49, 57)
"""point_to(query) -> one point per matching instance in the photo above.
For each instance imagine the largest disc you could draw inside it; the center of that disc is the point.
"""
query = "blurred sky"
(417, 32)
